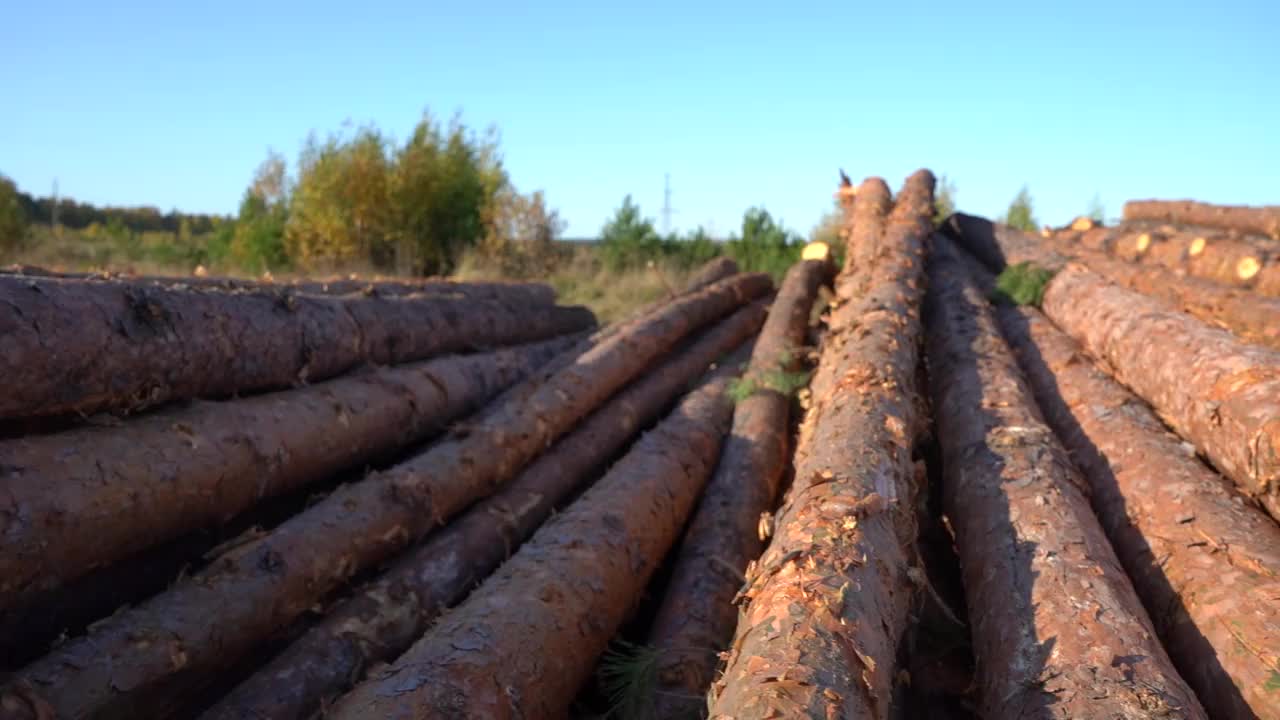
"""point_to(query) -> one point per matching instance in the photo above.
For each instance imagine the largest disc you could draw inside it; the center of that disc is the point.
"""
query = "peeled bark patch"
(207, 621)
(1221, 394)
(524, 642)
(1252, 317)
(384, 619)
(826, 605)
(1261, 220)
(86, 497)
(697, 615)
(1057, 628)
(1204, 564)
(74, 346)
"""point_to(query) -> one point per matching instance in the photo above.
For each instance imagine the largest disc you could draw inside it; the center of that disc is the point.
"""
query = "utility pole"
(54, 213)
(667, 210)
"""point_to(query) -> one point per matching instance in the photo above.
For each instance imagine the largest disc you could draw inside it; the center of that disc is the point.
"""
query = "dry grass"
(582, 279)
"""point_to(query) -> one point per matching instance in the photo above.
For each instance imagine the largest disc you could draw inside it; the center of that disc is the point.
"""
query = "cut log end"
(1247, 267)
(1083, 223)
(816, 251)
(1143, 242)
(1197, 246)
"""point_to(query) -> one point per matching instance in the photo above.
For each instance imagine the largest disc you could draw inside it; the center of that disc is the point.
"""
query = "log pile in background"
(387, 537)
(1260, 220)
(1253, 317)
(1224, 244)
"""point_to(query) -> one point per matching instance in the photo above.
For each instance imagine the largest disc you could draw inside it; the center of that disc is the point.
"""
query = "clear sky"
(174, 104)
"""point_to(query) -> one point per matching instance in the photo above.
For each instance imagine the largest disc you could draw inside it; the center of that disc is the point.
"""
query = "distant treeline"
(78, 216)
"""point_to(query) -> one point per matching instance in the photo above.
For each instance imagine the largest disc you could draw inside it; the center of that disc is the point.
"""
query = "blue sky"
(175, 104)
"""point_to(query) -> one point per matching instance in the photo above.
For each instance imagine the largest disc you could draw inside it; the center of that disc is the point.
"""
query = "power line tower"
(54, 213)
(667, 210)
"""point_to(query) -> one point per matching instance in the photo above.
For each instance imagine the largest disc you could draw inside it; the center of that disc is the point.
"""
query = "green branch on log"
(1022, 284)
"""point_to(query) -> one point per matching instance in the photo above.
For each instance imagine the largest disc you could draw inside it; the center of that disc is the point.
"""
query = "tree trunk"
(90, 496)
(1254, 318)
(382, 620)
(518, 292)
(697, 616)
(828, 601)
(1221, 394)
(524, 642)
(865, 216)
(1057, 628)
(864, 226)
(1259, 220)
(81, 347)
(211, 619)
(1203, 563)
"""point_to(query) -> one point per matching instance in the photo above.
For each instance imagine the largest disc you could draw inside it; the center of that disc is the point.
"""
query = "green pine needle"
(1022, 284)
(629, 677)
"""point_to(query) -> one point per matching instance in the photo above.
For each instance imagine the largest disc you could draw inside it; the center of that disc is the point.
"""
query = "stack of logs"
(427, 499)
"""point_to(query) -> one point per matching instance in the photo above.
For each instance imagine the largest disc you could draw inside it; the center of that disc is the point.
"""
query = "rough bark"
(524, 642)
(212, 618)
(519, 292)
(80, 347)
(1260, 220)
(865, 216)
(1221, 394)
(1203, 562)
(84, 498)
(864, 225)
(1058, 631)
(383, 620)
(697, 616)
(828, 601)
(1254, 318)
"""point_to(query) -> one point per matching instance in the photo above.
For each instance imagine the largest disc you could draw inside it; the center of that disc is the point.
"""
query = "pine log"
(696, 617)
(1221, 394)
(866, 214)
(207, 621)
(82, 347)
(714, 270)
(1261, 220)
(1204, 563)
(382, 620)
(864, 227)
(87, 497)
(524, 642)
(1058, 630)
(828, 602)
